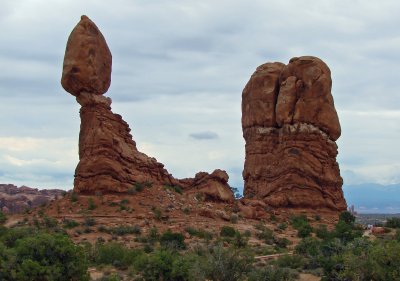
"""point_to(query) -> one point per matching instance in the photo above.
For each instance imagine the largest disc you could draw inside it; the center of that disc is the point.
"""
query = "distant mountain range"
(373, 198)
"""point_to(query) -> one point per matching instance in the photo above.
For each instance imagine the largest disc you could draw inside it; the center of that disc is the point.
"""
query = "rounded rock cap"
(87, 60)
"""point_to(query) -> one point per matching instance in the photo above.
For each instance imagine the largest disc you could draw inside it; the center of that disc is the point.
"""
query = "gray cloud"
(204, 135)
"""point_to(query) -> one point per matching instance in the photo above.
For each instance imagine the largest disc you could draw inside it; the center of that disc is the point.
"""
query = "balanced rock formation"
(109, 159)
(290, 126)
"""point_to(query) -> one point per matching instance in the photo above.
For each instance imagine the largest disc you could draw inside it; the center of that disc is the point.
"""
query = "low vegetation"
(44, 252)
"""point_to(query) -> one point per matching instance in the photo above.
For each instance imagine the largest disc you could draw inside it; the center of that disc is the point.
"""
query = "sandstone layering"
(290, 126)
(108, 158)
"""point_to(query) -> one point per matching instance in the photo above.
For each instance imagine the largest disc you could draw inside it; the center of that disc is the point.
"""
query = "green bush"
(116, 254)
(227, 231)
(304, 230)
(175, 188)
(221, 264)
(91, 204)
(74, 197)
(70, 223)
(282, 226)
(393, 222)
(172, 240)
(298, 221)
(89, 221)
(3, 218)
(42, 256)
(271, 273)
(264, 233)
(347, 217)
(322, 232)
(165, 265)
(201, 233)
(125, 229)
(294, 261)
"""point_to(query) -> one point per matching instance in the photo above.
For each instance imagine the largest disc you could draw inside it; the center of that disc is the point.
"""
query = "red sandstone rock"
(290, 126)
(87, 61)
(214, 186)
(108, 158)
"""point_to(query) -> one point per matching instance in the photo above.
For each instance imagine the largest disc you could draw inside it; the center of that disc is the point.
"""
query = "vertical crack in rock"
(290, 126)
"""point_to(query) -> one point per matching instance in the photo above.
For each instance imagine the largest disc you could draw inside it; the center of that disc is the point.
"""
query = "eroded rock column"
(290, 126)
(108, 158)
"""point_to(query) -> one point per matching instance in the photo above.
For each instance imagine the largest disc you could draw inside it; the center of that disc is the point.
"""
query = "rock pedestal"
(108, 158)
(290, 126)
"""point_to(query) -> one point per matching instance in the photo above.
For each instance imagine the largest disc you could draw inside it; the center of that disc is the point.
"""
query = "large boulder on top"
(87, 60)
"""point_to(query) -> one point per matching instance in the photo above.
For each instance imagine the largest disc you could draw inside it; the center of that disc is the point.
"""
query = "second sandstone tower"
(290, 126)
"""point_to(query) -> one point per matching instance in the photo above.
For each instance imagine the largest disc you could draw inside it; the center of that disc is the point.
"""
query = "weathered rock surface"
(290, 126)
(108, 158)
(213, 186)
(87, 60)
(15, 199)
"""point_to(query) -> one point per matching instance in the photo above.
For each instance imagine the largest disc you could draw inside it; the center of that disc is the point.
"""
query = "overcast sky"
(179, 68)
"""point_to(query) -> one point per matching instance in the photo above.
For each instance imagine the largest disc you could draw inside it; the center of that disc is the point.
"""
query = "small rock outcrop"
(108, 158)
(15, 199)
(290, 126)
(213, 186)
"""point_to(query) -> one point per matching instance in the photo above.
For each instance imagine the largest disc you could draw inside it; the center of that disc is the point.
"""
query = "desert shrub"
(294, 261)
(234, 218)
(393, 222)
(298, 221)
(157, 213)
(397, 235)
(112, 277)
(74, 197)
(125, 229)
(116, 254)
(347, 217)
(247, 233)
(281, 242)
(49, 222)
(42, 256)
(89, 221)
(124, 201)
(265, 234)
(175, 188)
(239, 240)
(153, 235)
(220, 264)
(3, 218)
(138, 186)
(304, 231)
(271, 273)
(70, 223)
(172, 240)
(317, 217)
(201, 233)
(282, 226)
(91, 204)
(346, 232)
(322, 232)
(165, 264)
(227, 231)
